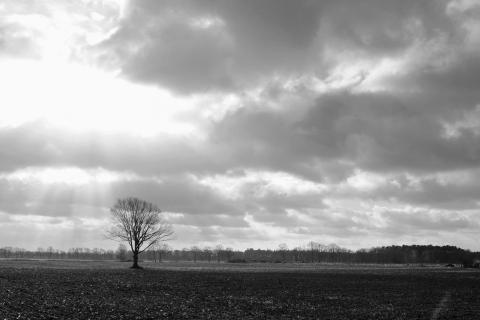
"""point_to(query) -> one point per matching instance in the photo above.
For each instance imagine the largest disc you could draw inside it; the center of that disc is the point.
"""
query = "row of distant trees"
(317, 253)
(52, 253)
(311, 253)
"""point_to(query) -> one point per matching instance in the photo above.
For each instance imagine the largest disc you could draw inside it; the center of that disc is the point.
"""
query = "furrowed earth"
(109, 290)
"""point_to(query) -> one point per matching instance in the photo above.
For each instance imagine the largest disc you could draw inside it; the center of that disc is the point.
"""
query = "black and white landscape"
(331, 146)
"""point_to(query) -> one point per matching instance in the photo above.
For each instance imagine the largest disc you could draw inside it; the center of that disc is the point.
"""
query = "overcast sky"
(249, 122)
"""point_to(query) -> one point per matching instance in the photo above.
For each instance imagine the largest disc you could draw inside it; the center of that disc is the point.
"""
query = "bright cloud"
(68, 175)
(259, 184)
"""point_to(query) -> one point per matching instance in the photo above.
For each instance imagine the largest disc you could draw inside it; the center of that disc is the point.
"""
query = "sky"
(250, 123)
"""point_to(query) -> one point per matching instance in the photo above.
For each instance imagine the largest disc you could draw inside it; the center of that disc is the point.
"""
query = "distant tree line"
(52, 253)
(317, 253)
(311, 253)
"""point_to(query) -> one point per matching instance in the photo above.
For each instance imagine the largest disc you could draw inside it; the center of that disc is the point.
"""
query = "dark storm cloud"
(209, 220)
(243, 42)
(384, 28)
(424, 221)
(178, 194)
(456, 193)
(456, 78)
(376, 131)
(192, 46)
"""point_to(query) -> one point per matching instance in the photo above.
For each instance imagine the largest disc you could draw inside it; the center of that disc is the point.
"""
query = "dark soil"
(163, 294)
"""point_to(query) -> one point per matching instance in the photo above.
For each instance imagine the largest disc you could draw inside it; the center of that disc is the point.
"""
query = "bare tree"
(122, 252)
(283, 248)
(196, 252)
(155, 252)
(218, 252)
(208, 253)
(139, 223)
(159, 250)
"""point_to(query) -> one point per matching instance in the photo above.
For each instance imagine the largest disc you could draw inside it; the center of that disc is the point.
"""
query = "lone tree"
(138, 223)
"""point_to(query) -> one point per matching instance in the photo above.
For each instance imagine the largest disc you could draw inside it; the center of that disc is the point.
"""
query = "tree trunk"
(135, 261)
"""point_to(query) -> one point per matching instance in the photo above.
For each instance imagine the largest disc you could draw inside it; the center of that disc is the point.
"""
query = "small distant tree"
(50, 251)
(207, 251)
(122, 252)
(196, 252)
(218, 252)
(314, 248)
(155, 253)
(159, 251)
(138, 223)
(283, 248)
(229, 253)
(164, 250)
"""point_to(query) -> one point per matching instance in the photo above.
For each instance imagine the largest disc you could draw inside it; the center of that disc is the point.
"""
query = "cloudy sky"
(249, 122)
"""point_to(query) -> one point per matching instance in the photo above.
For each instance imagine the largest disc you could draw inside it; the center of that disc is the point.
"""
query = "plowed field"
(33, 291)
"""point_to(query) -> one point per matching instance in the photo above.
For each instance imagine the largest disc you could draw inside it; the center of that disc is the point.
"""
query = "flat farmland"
(109, 290)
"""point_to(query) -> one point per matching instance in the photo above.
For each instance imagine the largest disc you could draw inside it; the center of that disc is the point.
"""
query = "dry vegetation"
(82, 290)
